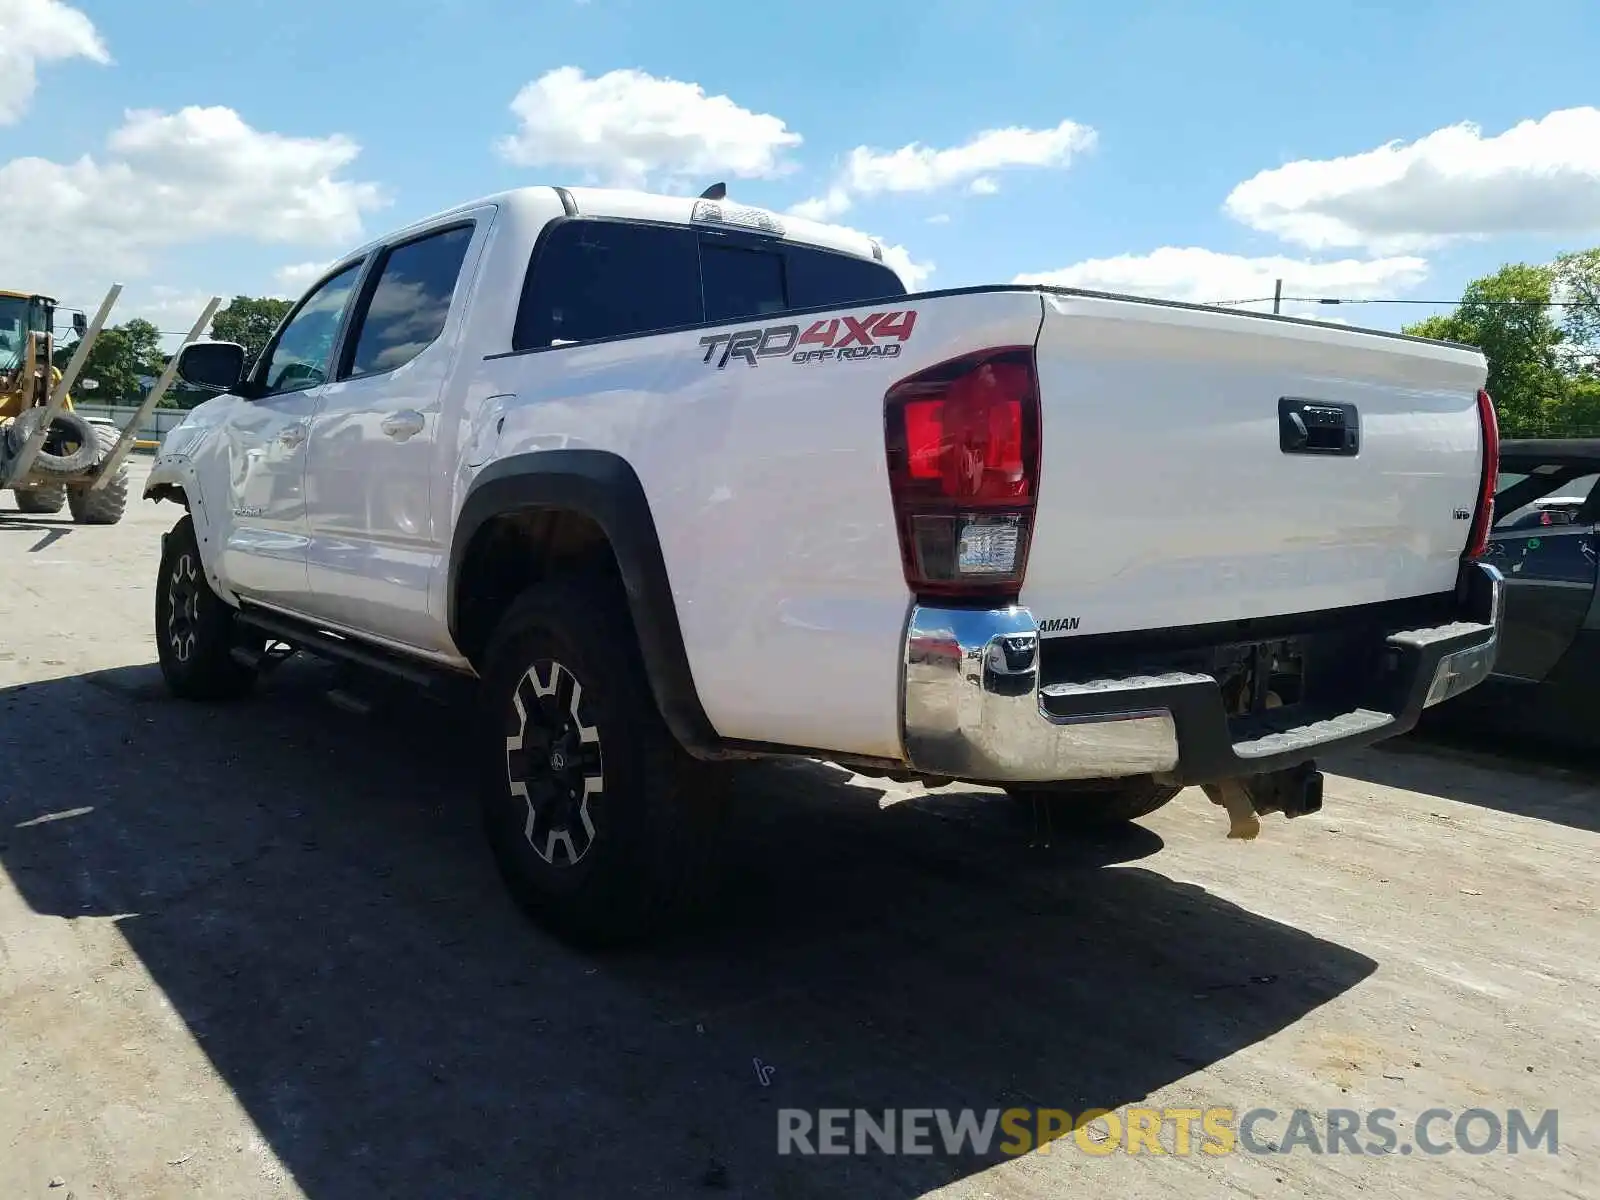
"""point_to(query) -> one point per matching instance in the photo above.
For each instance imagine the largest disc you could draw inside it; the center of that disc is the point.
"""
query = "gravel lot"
(259, 951)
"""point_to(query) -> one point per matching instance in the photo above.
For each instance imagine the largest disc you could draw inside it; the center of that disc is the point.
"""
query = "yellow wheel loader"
(51, 456)
(63, 468)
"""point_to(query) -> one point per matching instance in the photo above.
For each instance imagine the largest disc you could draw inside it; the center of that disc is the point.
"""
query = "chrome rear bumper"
(975, 705)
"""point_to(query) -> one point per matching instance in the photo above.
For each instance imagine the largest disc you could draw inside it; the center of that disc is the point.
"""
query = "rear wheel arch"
(529, 516)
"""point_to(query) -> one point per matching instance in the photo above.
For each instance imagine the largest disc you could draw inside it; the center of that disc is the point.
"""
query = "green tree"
(1443, 327)
(1577, 284)
(120, 356)
(250, 321)
(1508, 316)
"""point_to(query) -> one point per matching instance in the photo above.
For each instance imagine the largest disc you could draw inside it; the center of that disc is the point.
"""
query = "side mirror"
(80, 324)
(212, 366)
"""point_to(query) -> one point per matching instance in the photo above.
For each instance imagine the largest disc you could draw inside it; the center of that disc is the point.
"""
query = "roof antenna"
(716, 191)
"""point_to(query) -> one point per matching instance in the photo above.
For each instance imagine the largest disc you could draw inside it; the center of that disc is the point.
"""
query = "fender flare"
(603, 487)
(178, 471)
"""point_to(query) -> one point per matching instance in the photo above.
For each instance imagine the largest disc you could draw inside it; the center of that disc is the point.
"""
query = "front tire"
(1086, 808)
(600, 823)
(106, 505)
(194, 626)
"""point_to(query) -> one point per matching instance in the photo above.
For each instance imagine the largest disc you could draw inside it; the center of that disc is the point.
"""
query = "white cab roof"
(648, 206)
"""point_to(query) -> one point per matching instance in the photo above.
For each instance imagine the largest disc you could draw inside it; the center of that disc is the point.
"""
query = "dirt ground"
(260, 951)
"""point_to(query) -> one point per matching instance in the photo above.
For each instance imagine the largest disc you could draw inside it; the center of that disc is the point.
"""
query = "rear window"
(817, 278)
(740, 282)
(596, 278)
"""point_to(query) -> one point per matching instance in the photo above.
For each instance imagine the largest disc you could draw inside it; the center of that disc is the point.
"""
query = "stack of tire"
(73, 445)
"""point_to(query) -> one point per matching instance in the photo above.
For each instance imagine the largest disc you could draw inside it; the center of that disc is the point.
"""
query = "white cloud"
(626, 128)
(1199, 276)
(939, 219)
(913, 273)
(919, 168)
(232, 179)
(825, 207)
(34, 32)
(292, 281)
(1540, 176)
(169, 179)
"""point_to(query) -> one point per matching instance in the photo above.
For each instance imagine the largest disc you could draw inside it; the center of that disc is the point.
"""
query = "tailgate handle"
(1318, 427)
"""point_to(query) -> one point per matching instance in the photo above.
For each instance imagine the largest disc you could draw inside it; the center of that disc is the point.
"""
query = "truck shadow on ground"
(310, 891)
(1475, 764)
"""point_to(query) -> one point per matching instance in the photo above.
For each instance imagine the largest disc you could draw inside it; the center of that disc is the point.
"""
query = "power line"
(177, 333)
(1387, 300)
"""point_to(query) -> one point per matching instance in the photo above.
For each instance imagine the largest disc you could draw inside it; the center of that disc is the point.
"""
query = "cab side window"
(596, 279)
(299, 359)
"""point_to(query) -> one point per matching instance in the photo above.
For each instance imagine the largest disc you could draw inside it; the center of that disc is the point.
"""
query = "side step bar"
(437, 681)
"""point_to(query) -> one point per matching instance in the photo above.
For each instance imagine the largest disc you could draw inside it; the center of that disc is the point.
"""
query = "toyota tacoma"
(671, 481)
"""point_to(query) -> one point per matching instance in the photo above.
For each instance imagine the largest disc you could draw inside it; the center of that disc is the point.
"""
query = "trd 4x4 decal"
(834, 339)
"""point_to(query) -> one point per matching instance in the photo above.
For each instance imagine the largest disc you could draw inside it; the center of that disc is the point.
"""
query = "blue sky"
(1172, 106)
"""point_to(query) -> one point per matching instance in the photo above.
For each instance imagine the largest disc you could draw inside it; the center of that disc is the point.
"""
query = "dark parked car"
(1546, 683)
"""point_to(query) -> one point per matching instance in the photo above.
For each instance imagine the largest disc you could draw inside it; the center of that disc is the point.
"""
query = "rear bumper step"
(977, 707)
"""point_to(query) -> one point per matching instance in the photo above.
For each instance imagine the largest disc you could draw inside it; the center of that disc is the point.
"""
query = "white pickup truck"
(673, 481)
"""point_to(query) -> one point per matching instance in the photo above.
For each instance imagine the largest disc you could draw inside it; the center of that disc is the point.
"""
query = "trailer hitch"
(1294, 792)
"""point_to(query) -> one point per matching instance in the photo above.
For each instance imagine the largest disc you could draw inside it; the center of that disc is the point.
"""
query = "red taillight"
(963, 446)
(1483, 517)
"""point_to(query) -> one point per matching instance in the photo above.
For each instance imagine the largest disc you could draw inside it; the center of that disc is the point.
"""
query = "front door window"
(299, 358)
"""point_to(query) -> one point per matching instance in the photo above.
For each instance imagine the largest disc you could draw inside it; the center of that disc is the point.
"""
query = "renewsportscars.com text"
(1174, 1131)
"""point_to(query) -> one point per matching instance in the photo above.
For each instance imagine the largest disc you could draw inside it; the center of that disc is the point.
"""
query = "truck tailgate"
(1172, 491)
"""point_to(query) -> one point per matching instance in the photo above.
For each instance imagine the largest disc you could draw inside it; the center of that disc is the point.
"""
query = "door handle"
(1313, 427)
(402, 425)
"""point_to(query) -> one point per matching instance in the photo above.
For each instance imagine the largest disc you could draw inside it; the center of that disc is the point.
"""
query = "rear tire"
(41, 501)
(1084, 808)
(105, 506)
(194, 626)
(602, 827)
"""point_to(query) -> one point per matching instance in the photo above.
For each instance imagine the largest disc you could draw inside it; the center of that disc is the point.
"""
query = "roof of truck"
(651, 206)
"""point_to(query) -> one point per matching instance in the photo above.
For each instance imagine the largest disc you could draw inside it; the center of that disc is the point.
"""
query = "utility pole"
(1277, 296)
